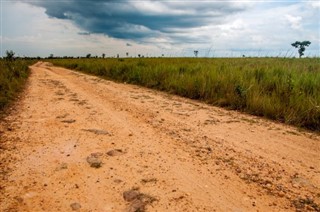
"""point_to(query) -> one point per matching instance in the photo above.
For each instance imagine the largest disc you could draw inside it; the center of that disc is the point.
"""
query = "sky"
(173, 28)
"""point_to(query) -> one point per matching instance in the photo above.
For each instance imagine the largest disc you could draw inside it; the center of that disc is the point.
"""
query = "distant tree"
(302, 46)
(88, 56)
(10, 55)
(139, 55)
(127, 53)
(117, 55)
(51, 56)
(103, 55)
(196, 53)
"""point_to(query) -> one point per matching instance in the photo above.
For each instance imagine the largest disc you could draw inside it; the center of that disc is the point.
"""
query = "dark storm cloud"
(138, 20)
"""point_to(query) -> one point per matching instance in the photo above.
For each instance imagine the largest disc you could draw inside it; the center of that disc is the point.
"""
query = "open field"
(286, 90)
(76, 142)
(13, 74)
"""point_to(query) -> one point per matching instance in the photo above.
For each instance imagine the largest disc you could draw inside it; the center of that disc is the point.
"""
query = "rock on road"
(79, 143)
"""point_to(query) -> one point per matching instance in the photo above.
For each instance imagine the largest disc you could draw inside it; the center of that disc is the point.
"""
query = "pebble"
(94, 161)
(115, 152)
(137, 205)
(130, 195)
(310, 208)
(117, 181)
(68, 121)
(281, 194)
(97, 131)
(75, 206)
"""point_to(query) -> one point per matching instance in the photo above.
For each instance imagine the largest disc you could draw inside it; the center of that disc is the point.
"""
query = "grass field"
(282, 89)
(13, 75)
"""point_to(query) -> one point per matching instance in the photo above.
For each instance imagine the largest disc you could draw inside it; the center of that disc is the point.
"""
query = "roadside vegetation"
(282, 89)
(13, 75)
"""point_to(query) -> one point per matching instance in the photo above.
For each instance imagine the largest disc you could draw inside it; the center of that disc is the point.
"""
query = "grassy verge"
(13, 75)
(287, 90)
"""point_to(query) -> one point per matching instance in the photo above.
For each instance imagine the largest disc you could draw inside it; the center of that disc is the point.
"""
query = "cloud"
(152, 27)
(294, 21)
(84, 33)
(140, 20)
(314, 4)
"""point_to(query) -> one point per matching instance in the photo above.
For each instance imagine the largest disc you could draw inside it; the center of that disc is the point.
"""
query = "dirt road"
(77, 142)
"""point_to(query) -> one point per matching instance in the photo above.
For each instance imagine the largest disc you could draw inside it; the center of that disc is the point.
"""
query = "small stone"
(62, 166)
(281, 194)
(75, 206)
(117, 181)
(311, 167)
(115, 152)
(68, 121)
(295, 185)
(19, 199)
(243, 176)
(137, 205)
(97, 131)
(130, 195)
(94, 161)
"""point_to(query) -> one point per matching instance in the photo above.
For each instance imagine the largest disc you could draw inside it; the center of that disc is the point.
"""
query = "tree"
(196, 53)
(302, 46)
(127, 53)
(10, 55)
(103, 55)
(88, 56)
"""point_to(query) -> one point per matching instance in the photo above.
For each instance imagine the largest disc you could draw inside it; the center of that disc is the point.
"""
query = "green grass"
(13, 75)
(286, 90)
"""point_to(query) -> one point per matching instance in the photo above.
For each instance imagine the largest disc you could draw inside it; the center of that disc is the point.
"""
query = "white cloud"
(314, 4)
(294, 21)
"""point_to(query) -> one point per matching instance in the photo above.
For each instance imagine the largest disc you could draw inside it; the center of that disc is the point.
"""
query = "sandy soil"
(77, 142)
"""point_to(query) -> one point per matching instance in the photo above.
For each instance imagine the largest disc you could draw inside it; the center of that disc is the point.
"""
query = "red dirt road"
(77, 142)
